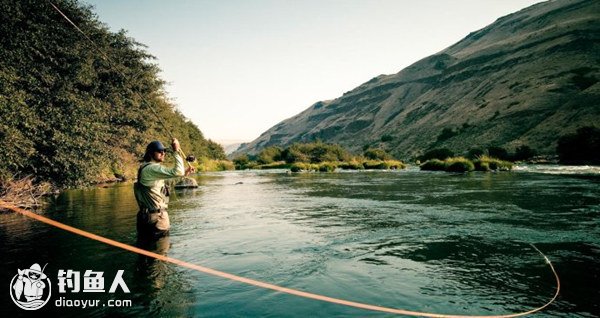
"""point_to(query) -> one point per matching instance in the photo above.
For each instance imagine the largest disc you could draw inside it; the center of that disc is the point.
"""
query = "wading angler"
(150, 191)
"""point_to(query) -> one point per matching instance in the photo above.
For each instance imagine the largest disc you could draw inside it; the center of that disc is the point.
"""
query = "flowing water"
(422, 241)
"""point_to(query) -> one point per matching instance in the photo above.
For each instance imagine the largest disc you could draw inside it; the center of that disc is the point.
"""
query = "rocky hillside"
(526, 79)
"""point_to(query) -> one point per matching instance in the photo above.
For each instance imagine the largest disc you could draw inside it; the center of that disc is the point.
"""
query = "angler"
(150, 191)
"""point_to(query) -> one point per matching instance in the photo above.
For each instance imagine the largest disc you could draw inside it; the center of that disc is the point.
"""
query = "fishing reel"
(190, 158)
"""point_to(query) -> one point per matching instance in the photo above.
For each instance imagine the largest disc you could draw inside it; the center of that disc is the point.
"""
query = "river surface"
(421, 241)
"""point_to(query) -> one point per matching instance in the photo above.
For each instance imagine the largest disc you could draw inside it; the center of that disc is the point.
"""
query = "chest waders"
(152, 218)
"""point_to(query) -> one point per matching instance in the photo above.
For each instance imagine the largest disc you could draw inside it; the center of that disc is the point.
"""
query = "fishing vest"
(147, 199)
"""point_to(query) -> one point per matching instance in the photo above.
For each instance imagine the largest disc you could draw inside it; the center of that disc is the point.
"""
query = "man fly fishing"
(150, 191)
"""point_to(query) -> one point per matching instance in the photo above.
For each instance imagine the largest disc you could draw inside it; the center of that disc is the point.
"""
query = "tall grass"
(461, 164)
(354, 164)
(384, 164)
(433, 165)
(205, 164)
(486, 163)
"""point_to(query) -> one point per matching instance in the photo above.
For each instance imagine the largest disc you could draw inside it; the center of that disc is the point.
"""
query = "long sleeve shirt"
(153, 177)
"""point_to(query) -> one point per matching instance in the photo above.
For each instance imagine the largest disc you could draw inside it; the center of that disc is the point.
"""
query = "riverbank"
(29, 193)
(330, 166)
(25, 192)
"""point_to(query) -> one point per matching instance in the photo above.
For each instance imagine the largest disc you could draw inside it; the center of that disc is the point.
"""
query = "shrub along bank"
(461, 164)
(317, 156)
(330, 166)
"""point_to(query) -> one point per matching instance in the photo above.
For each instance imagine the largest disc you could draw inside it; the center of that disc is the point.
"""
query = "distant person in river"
(150, 191)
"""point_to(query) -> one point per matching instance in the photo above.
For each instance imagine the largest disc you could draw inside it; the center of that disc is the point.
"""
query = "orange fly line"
(260, 284)
(245, 280)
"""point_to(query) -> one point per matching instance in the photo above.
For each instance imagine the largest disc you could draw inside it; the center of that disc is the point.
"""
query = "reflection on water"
(149, 267)
(437, 242)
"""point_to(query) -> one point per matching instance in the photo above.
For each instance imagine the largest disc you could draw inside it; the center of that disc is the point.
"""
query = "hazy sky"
(237, 68)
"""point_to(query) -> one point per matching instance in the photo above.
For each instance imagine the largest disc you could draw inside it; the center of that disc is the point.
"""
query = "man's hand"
(190, 170)
(175, 145)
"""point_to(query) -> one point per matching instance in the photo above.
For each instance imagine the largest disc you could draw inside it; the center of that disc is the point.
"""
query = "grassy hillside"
(525, 80)
(74, 112)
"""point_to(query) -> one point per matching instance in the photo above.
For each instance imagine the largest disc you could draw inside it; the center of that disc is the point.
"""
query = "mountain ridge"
(525, 79)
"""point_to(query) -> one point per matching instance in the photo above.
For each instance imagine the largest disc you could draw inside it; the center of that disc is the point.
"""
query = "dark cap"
(155, 146)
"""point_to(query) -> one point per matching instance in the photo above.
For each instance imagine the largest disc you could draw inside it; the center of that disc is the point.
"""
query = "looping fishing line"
(243, 279)
(260, 284)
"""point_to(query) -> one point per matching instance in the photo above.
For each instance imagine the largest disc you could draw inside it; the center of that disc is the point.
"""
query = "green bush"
(270, 155)
(486, 163)
(351, 165)
(298, 167)
(327, 166)
(523, 152)
(374, 164)
(482, 165)
(433, 165)
(224, 165)
(294, 154)
(475, 153)
(394, 164)
(273, 165)
(498, 152)
(459, 164)
(582, 147)
(315, 153)
(377, 154)
(241, 162)
(207, 164)
(455, 164)
(319, 156)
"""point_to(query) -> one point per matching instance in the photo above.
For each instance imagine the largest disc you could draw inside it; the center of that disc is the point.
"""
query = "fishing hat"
(36, 268)
(155, 146)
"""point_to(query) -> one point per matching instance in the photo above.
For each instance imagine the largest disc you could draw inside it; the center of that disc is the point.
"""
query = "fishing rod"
(188, 159)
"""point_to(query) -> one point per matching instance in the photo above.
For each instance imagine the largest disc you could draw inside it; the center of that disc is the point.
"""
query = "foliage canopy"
(581, 147)
(73, 111)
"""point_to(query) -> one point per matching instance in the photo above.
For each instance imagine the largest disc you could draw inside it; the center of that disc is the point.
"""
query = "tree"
(582, 147)
(475, 153)
(377, 154)
(498, 152)
(70, 113)
(523, 152)
(294, 153)
(241, 162)
(269, 155)
(315, 152)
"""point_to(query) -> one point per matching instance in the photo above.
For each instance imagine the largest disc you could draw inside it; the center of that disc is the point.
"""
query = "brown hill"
(526, 79)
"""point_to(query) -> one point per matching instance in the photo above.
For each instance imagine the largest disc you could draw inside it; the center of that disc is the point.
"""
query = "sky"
(236, 68)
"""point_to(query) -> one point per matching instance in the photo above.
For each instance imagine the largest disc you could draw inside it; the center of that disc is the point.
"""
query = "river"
(421, 241)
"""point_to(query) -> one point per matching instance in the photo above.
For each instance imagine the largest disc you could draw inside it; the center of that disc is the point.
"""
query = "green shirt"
(152, 177)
